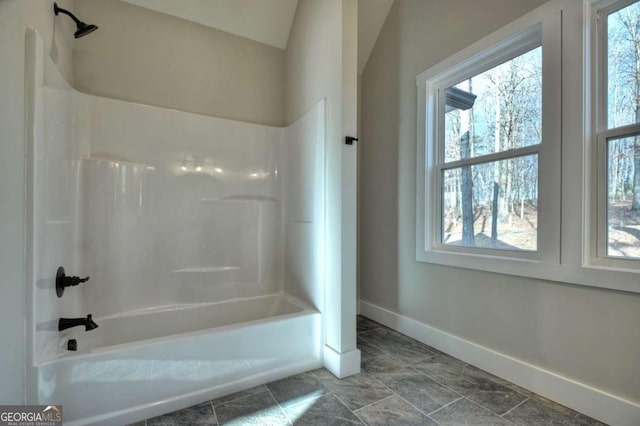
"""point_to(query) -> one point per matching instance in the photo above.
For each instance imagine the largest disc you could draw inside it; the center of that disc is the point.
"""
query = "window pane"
(497, 110)
(623, 45)
(492, 205)
(623, 197)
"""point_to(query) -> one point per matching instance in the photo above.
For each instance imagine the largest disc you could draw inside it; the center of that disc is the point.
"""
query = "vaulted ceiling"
(267, 21)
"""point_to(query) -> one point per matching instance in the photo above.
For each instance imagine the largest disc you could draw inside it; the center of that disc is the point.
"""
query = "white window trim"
(566, 249)
(602, 133)
(435, 86)
(515, 39)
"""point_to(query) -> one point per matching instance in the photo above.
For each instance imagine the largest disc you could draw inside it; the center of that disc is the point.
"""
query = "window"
(528, 143)
(489, 150)
(490, 144)
(618, 135)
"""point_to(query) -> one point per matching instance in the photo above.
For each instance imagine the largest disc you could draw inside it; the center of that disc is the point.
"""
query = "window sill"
(589, 275)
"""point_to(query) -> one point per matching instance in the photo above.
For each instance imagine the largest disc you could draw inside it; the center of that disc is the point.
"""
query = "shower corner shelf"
(205, 269)
(110, 158)
(242, 198)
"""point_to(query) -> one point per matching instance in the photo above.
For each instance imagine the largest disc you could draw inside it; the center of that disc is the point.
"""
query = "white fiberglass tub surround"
(202, 238)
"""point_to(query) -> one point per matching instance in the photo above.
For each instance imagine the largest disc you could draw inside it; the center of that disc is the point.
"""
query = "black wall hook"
(350, 139)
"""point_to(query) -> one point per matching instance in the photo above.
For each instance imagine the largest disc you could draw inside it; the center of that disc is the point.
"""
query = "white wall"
(57, 33)
(585, 334)
(12, 211)
(321, 63)
(148, 57)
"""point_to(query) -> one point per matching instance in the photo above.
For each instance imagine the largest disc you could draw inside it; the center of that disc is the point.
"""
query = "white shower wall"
(178, 208)
(164, 208)
(54, 151)
(304, 165)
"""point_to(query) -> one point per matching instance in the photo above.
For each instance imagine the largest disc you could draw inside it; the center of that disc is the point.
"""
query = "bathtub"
(145, 363)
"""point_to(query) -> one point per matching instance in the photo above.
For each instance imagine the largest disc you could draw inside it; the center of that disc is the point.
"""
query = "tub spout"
(88, 323)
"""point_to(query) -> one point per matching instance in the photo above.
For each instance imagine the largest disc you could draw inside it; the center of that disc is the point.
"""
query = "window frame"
(602, 132)
(514, 47)
(533, 31)
(572, 258)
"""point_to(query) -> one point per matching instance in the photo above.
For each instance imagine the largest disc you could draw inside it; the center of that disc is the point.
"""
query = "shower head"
(83, 28)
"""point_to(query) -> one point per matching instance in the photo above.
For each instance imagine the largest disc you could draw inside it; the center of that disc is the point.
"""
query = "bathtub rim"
(67, 356)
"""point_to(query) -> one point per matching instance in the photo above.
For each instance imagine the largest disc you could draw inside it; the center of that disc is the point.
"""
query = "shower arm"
(57, 10)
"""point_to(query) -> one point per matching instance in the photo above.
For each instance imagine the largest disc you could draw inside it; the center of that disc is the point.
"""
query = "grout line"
(467, 396)
(437, 352)
(384, 352)
(358, 417)
(402, 398)
(404, 364)
(373, 403)
(311, 398)
(421, 345)
(377, 324)
(274, 398)
(441, 384)
(419, 410)
(491, 411)
(215, 415)
(341, 401)
(434, 420)
(286, 416)
(370, 329)
(525, 400)
(353, 411)
(240, 396)
(446, 405)
(371, 342)
(308, 400)
(313, 373)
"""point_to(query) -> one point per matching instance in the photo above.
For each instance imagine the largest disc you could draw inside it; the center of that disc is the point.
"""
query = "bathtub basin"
(145, 363)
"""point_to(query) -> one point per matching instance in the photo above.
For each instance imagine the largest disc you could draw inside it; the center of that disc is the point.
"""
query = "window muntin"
(489, 156)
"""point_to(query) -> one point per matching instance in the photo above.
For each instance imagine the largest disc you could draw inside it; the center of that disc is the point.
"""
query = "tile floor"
(403, 382)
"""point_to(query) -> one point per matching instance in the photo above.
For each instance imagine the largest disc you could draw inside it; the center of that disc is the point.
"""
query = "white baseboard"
(341, 364)
(595, 403)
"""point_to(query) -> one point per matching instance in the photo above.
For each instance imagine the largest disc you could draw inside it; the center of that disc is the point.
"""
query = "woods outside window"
(618, 134)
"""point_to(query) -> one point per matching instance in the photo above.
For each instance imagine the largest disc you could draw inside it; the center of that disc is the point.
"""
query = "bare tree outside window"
(623, 153)
(494, 204)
